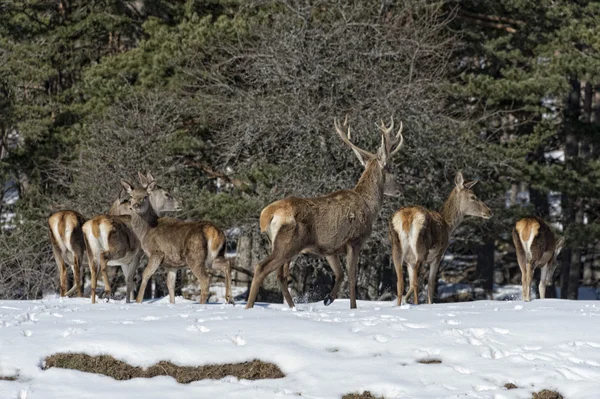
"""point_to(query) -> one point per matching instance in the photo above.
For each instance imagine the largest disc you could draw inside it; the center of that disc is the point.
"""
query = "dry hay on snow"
(119, 370)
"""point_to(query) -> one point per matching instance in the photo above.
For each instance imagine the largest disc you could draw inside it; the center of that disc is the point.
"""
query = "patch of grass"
(547, 394)
(111, 367)
(510, 385)
(364, 395)
(9, 377)
(429, 361)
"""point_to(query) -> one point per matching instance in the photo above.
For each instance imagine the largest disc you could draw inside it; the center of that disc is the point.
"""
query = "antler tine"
(346, 138)
(398, 135)
(385, 133)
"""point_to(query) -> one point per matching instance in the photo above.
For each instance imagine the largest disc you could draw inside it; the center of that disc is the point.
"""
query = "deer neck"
(370, 185)
(141, 224)
(451, 213)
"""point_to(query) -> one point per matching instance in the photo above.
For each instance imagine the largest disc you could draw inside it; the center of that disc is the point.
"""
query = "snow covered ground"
(324, 351)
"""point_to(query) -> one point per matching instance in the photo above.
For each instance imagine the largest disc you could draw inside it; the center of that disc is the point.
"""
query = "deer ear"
(151, 186)
(470, 184)
(143, 180)
(128, 187)
(150, 177)
(459, 180)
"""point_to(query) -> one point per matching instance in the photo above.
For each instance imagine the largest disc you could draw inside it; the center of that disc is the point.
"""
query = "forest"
(230, 104)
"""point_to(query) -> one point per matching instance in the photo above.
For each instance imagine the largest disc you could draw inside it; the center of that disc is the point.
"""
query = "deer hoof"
(328, 300)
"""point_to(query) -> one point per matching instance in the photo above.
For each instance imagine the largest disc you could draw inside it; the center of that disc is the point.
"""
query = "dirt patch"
(364, 395)
(9, 377)
(510, 385)
(547, 394)
(111, 367)
(429, 361)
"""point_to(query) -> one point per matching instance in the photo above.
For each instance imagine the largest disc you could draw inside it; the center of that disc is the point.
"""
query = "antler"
(388, 140)
(346, 139)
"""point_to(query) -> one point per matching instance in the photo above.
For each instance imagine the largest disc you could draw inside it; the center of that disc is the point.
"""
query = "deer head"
(149, 194)
(468, 202)
(390, 145)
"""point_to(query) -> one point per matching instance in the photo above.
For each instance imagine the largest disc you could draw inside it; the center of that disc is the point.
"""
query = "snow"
(325, 352)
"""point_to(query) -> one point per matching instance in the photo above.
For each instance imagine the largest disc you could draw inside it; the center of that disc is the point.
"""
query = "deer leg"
(528, 276)
(225, 266)
(94, 278)
(130, 274)
(153, 264)
(398, 258)
(197, 264)
(171, 278)
(282, 252)
(411, 276)
(282, 280)
(264, 268)
(60, 262)
(550, 273)
(433, 269)
(542, 285)
(352, 257)
(204, 285)
(77, 274)
(93, 270)
(414, 284)
(76, 277)
(103, 267)
(334, 263)
(521, 261)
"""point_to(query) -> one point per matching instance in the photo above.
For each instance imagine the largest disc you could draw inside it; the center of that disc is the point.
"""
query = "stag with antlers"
(340, 222)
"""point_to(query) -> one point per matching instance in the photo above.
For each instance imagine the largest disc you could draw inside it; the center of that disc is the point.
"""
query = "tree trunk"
(485, 267)
(565, 267)
(574, 216)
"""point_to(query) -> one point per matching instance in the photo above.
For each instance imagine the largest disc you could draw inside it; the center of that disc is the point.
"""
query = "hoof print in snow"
(510, 385)
(332, 350)
(429, 361)
(364, 395)
(111, 367)
(547, 394)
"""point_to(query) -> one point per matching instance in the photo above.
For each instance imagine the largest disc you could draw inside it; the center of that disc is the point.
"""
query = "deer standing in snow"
(326, 226)
(66, 237)
(419, 235)
(110, 240)
(175, 244)
(536, 245)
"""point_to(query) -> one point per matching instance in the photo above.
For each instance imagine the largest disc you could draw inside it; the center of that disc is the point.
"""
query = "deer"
(536, 245)
(174, 244)
(110, 240)
(419, 235)
(326, 226)
(68, 244)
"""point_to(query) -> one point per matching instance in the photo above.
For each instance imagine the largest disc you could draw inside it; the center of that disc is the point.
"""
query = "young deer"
(419, 235)
(66, 237)
(326, 226)
(175, 244)
(536, 245)
(110, 240)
